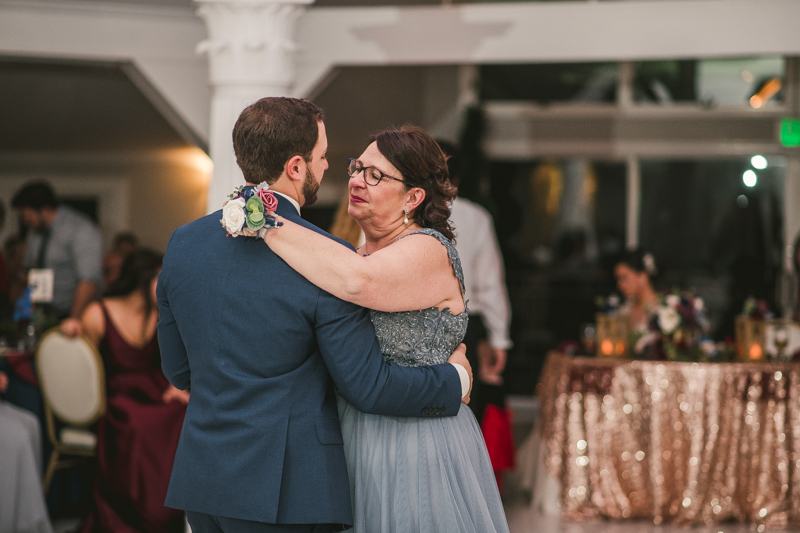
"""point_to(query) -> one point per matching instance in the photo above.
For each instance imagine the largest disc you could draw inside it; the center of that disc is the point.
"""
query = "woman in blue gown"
(406, 474)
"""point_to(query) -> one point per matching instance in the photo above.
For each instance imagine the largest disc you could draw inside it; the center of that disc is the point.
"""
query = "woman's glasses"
(372, 176)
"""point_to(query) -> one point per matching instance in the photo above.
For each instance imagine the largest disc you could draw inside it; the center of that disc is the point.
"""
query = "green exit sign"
(790, 132)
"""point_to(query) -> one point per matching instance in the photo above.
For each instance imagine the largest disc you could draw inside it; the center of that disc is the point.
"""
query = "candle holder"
(750, 338)
(612, 336)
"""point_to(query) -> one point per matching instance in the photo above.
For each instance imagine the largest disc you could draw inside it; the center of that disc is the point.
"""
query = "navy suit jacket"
(258, 344)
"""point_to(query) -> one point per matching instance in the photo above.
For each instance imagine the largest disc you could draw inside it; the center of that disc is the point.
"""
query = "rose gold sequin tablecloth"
(679, 442)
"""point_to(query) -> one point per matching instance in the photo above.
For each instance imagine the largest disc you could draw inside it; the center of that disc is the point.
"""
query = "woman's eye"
(376, 175)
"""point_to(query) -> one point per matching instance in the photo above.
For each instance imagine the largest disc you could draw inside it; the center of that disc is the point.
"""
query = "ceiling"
(322, 3)
(50, 106)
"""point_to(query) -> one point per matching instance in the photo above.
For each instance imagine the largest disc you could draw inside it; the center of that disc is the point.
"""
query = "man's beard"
(310, 189)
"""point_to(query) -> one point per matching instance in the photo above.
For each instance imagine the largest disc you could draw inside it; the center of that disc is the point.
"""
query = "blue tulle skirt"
(423, 475)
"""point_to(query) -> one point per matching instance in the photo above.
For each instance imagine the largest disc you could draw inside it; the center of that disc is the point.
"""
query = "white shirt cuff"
(462, 374)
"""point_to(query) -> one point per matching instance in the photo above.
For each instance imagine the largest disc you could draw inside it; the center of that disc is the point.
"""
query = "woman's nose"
(357, 180)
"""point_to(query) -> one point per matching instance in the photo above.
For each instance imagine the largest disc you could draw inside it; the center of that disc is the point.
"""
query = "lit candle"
(607, 347)
(755, 351)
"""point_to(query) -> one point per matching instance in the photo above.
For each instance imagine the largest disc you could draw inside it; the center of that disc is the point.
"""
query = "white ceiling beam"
(537, 32)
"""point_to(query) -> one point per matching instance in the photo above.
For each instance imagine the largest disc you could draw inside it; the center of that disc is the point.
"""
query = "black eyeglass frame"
(368, 175)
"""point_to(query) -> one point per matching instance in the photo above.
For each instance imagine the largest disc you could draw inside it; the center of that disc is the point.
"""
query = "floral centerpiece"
(677, 330)
(249, 211)
(756, 309)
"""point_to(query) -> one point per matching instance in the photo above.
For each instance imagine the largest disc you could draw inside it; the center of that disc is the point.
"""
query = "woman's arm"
(412, 273)
(91, 324)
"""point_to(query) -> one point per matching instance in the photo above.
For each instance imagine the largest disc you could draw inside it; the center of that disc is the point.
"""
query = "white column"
(251, 52)
(626, 72)
(634, 200)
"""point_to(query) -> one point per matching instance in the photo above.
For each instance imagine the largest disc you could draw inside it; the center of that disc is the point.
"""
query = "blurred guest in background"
(791, 286)
(124, 243)
(22, 507)
(3, 269)
(14, 249)
(5, 297)
(487, 337)
(138, 435)
(65, 241)
(635, 271)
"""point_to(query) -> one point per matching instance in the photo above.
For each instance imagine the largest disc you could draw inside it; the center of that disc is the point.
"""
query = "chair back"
(72, 378)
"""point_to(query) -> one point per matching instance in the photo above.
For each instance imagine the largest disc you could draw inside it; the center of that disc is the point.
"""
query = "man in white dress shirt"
(484, 278)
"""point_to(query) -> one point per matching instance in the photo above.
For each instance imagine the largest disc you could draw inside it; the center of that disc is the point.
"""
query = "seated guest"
(22, 507)
(124, 243)
(635, 271)
(138, 435)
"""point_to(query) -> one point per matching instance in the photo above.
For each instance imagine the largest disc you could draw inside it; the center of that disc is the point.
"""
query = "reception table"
(690, 443)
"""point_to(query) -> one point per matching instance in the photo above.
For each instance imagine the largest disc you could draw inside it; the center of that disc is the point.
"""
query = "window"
(715, 229)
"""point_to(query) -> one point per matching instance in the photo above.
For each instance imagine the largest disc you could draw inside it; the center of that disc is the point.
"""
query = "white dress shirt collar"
(292, 200)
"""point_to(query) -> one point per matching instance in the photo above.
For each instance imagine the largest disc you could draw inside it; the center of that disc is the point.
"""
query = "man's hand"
(3, 382)
(492, 364)
(459, 357)
(71, 327)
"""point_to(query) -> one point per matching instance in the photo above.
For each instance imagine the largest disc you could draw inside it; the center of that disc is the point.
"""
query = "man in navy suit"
(261, 349)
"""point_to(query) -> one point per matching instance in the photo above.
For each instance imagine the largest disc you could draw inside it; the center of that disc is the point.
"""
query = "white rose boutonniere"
(233, 215)
(250, 211)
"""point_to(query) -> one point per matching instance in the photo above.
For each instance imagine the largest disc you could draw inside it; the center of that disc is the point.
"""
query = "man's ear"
(296, 168)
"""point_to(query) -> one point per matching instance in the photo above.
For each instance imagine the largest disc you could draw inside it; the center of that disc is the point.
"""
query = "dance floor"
(523, 519)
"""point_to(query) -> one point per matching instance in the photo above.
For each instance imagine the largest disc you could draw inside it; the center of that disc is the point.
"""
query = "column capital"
(251, 43)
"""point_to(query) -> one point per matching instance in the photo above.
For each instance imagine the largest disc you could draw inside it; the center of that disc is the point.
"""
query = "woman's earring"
(405, 218)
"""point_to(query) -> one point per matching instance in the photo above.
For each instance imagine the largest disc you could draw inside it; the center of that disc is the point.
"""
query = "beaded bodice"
(426, 337)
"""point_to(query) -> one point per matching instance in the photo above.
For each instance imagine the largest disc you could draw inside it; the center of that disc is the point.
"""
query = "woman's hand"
(71, 327)
(173, 393)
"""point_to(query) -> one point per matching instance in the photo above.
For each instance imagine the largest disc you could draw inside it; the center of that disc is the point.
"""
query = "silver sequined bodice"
(426, 337)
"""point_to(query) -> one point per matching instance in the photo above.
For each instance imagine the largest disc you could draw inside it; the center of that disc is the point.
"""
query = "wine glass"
(781, 342)
(588, 338)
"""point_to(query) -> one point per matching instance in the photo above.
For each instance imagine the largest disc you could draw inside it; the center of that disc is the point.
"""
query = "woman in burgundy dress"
(138, 435)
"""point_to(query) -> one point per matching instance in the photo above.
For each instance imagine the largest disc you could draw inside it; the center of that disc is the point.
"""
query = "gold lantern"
(612, 335)
(750, 338)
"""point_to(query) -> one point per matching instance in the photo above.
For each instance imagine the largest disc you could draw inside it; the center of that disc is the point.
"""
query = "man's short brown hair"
(270, 132)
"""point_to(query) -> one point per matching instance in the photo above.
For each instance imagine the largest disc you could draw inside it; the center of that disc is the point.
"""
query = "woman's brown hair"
(421, 162)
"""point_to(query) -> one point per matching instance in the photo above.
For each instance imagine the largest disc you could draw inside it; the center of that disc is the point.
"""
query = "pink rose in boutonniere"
(268, 199)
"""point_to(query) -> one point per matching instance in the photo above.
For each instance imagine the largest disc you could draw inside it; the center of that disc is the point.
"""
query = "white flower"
(673, 300)
(644, 341)
(668, 320)
(699, 305)
(233, 216)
